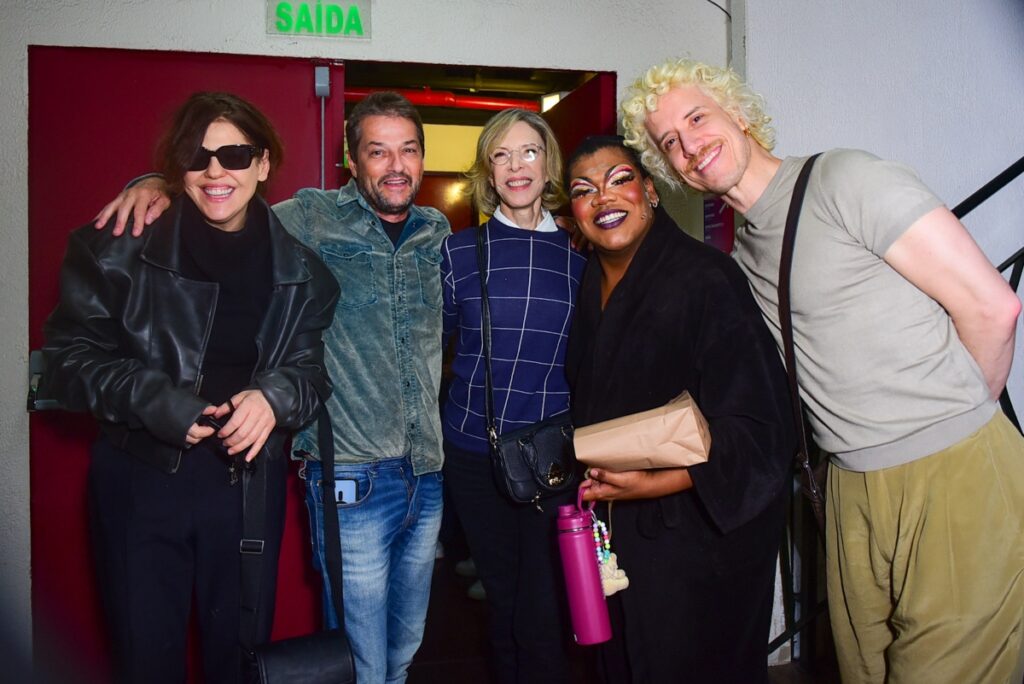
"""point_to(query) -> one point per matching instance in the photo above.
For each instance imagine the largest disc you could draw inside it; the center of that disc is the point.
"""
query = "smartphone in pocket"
(346, 491)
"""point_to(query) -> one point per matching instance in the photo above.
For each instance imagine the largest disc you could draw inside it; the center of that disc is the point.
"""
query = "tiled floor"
(454, 646)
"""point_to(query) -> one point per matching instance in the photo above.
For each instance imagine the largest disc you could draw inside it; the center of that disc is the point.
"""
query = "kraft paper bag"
(669, 436)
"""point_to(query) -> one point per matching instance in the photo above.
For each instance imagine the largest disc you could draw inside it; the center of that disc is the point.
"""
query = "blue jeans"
(388, 540)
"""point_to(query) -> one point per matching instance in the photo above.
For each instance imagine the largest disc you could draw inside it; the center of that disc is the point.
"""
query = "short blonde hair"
(479, 175)
(722, 85)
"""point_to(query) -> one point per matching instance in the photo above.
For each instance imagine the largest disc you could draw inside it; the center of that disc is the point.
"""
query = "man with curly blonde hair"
(904, 335)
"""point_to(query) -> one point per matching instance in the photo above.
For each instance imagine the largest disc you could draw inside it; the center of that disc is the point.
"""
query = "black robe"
(701, 563)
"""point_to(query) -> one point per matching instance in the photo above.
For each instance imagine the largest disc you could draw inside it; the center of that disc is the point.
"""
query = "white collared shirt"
(546, 225)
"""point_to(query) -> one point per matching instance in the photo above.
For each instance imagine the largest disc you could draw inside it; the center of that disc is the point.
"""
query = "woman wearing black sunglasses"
(214, 318)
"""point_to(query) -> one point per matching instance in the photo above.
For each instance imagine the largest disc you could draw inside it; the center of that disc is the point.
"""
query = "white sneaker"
(465, 568)
(476, 591)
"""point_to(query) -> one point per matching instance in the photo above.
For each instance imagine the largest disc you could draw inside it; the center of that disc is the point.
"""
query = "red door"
(94, 117)
(588, 110)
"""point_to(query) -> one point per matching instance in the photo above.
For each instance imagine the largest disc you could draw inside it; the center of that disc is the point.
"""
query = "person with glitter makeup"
(659, 313)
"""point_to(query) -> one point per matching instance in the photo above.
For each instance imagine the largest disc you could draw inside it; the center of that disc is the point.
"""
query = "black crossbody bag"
(324, 657)
(813, 476)
(534, 462)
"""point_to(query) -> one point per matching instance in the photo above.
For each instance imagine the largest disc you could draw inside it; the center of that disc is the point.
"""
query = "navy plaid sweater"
(532, 284)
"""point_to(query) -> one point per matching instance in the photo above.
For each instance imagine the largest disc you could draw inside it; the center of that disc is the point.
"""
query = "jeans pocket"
(348, 479)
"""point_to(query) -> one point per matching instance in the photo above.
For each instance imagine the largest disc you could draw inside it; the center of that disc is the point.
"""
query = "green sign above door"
(320, 19)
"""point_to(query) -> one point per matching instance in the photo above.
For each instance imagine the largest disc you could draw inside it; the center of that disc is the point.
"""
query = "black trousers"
(158, 538)
(515, 551)
(699, 603)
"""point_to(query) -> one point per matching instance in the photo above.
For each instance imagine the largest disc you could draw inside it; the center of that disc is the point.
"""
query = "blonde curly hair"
(722, 85)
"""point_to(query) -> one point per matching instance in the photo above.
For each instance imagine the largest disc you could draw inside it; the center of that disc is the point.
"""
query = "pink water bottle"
(587, 605)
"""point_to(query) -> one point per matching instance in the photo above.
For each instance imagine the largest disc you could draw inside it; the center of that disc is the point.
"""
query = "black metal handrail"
(989, 189)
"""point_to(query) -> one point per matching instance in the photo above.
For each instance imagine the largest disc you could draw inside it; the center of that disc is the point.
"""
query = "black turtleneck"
(240, 263)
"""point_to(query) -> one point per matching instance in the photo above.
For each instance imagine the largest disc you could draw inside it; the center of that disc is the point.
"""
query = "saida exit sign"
(320, 19)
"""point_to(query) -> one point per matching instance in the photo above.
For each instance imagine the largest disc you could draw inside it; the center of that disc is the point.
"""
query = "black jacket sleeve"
(296, 388)
(741, 389)
(86, 368)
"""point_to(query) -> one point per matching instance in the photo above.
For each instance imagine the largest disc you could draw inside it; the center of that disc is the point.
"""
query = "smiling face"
(611, 201)
(518, 182)
(704, 143)
(222, 195)
(388, 166)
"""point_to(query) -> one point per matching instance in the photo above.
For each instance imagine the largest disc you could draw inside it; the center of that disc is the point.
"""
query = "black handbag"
(534, 462)
(813, 474)
(323, 657)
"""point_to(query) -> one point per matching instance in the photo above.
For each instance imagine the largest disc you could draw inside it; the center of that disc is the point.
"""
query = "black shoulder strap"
(254, 507)
(332, 533)
(485, 335)
(254, 504)
(786, 318)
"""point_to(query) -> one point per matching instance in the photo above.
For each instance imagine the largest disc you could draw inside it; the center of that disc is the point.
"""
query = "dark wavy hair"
(188, 126)
(381, 103)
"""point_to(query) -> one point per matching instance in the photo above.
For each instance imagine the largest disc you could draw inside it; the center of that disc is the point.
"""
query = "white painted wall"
(937, 84)
(604, 35)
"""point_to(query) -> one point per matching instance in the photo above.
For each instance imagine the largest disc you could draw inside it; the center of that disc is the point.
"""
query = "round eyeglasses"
(527, 154)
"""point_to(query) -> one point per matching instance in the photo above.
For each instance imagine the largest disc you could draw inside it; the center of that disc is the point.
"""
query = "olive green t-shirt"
(881, 369)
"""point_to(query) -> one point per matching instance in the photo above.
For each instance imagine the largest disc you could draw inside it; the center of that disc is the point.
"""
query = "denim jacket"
(383, 351)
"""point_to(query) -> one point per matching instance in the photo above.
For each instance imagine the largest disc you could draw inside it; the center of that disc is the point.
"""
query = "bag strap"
(786, 323)
(485, 335)
(332, 532)
(254, 506)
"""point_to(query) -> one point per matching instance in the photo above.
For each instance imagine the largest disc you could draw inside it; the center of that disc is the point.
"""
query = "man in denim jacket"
(383, 354)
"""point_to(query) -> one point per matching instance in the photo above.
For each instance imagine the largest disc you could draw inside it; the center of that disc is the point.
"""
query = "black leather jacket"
(126, 342)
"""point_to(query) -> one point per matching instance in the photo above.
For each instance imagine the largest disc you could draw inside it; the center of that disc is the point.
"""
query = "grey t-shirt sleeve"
(874, 200)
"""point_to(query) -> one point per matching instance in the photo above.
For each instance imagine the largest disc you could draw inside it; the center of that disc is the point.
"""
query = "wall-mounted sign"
(320, 19)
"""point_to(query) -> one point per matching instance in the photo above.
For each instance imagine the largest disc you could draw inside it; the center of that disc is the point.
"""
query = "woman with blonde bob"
(532, 274)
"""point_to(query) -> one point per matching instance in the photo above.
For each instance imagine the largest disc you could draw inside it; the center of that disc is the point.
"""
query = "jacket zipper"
(197, 386)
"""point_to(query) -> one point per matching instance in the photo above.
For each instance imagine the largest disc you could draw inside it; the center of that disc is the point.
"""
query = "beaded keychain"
(602, 542)
(613, 578)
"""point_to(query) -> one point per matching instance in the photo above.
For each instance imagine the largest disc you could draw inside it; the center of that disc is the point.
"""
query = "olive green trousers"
(925, 565)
